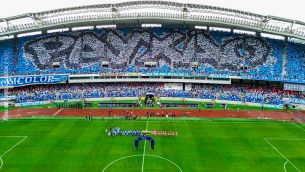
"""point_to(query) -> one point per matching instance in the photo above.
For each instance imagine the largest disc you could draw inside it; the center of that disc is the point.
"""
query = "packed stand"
(256, 94)
(172, 50)
(296, 62)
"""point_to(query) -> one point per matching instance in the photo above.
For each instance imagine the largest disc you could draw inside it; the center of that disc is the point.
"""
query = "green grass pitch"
(73, 144)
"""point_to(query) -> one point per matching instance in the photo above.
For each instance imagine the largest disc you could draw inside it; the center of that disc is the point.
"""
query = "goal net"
(6, 104)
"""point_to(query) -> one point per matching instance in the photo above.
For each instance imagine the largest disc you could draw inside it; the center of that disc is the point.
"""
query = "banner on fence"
(294, 100)
(17, 81)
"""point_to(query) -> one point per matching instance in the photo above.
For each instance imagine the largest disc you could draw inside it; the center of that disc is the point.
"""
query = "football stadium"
(151, 86)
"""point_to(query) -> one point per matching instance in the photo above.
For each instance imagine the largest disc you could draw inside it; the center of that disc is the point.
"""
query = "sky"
(292, 9)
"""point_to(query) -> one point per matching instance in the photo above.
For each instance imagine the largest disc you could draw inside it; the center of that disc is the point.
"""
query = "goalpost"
(5, 114)
(7, 101)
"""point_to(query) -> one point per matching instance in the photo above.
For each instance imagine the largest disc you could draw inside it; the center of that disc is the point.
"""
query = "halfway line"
(144, 149)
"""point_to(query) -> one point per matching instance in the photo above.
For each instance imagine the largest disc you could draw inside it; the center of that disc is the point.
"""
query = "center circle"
(138, 164)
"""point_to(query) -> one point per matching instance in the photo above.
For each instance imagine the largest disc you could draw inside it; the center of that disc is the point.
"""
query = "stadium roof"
(139, 12)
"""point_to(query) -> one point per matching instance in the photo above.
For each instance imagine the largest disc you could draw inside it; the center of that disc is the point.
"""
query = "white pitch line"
(285, 166)
(14, 136)
(125, 157)
(1, 161)
(57, 112)
(282, 155)
(289, 139)
(14, 146)
(166, 160)
(143, 160)
(131, 156)
(299, 127)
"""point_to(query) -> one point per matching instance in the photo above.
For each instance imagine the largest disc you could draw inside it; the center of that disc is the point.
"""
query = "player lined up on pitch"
(116, 131)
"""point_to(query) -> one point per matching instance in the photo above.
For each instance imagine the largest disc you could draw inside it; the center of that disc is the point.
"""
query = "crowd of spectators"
(296, 62)
(173, 50)
(257, 94)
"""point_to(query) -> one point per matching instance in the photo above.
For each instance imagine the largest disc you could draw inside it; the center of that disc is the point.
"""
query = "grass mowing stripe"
(50, 141)
(166, 160)
(66, 146)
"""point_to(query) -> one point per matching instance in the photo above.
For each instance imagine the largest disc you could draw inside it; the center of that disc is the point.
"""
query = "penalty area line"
(1, 163)
(301, 128)
(23, 138)
(285, 166)
(287, 160)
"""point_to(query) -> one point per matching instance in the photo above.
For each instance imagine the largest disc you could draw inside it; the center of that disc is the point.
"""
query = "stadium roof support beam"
(34, 17)
(286, 20)
(185, 12)
(115, 13)
(6, 22)
(162, 12)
